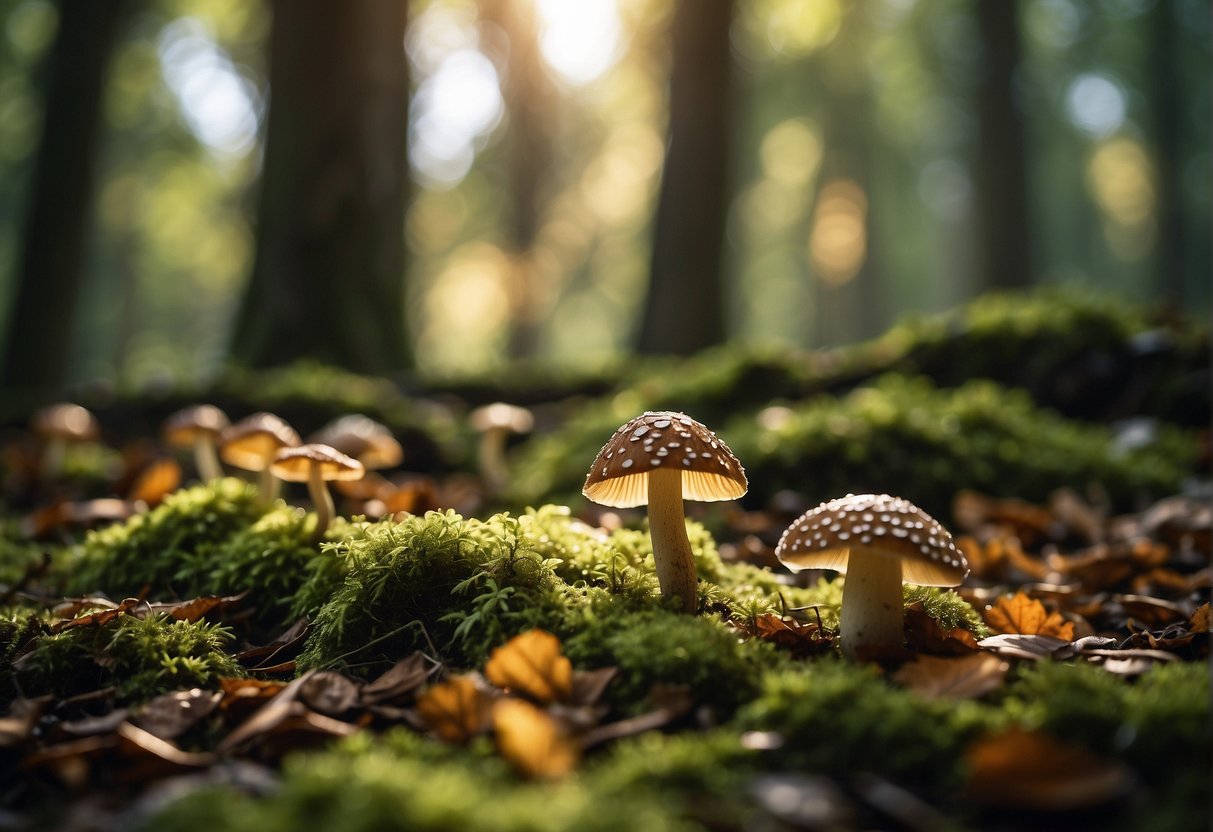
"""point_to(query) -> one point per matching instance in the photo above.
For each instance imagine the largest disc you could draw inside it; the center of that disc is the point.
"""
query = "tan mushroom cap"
(873, 525)
(251, 443)
(295, 464)
(501, 415)
(185, 426)
(66, 421)
(361, 437)
(664, 439)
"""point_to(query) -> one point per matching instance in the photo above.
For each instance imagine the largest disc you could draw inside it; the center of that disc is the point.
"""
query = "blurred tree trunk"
(51, 262)
(1001, 175)
(328, 279)
(684, 308)
(1168, 154)
(528, 94)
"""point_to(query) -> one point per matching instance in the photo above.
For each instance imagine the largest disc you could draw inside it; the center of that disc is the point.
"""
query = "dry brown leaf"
(532, 741)
(924, 635)
(159, 479)
(1034, 647)
(172, 714)
(967, 677)
(329, 692)
(532, 664)
(799, 639)
(398, 681)
(1029, 770)
(1199, 622)
(1027, 616)
(456, 710)
(97, 619)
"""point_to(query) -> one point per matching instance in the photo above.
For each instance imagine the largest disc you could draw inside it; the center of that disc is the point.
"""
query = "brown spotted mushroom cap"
(877, 525)
(295, 464)
(664, 439)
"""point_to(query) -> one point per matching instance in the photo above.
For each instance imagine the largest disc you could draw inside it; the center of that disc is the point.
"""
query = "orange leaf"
(1028, 770)
(156, 482)
(1199, 622)
(532, 741)
(455, 710)
(533, 665)
(968, 677)
(1027, 616)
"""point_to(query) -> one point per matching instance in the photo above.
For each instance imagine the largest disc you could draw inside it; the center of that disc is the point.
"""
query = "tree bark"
(684, 308)
(51, 263)
(328, 280)
(1168, 154)
(1001, 176)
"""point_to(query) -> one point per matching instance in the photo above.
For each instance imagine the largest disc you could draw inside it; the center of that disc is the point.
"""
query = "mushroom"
(495, 422)
(878, 541)
(316, 464)
(199, 427)
(59, 425)
(660, 458)
(251, 445)
(367, 441)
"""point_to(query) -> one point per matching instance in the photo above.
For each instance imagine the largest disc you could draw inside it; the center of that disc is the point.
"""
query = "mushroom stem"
(872, 605)
(492, 459)
(206, 460)
(267, 486)
(322, 501)
(671, 548)
(53, 456)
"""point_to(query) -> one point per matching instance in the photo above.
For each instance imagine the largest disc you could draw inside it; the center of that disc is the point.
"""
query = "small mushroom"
(878, 541)
(495, 422)
(59, 425)
(316, 464)
(657, 459)
(251, 445)
(199, 427)
(367, 441)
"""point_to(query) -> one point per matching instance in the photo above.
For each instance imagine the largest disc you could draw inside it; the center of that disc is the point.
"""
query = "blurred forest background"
(447, 185)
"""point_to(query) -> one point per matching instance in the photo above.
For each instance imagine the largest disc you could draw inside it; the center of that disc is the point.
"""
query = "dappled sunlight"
(580, 40)
(466, 310)
(790, 29)
(838, 240)
(1121, 181)
(1096, 105)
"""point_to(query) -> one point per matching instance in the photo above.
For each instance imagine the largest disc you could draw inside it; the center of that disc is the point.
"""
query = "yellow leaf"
(532, 664)
(455, 710)
(532, 741)
(1027, 616)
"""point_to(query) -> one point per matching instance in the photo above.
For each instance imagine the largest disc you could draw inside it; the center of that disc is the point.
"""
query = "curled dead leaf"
(532, 741)
(456, 710)
(532, 664)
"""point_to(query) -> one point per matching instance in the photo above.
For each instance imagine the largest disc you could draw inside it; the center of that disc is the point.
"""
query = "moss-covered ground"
(210, 663)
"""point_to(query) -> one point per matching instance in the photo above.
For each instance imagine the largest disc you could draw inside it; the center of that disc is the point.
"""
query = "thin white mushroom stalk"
(672, 557)
(322, 501)
(872, 606)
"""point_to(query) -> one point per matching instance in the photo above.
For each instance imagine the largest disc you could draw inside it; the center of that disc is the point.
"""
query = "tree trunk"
(51, 262)
(1168, 154)
(328, 279)
(529, 95)
(684, 309)
(1001, 176)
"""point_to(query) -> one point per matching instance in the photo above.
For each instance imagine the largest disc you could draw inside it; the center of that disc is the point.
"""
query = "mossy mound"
(904, 436)
(140, 656)
(437, 583)
(167, 552)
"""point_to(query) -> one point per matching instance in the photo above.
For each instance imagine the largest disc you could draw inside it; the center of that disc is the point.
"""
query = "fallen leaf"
(1199, 623)
(159, 479)
(266, 717)
(1019, 646)
(456, 710)
(329, 693)
(967, 677)
(531, 741)
(590, 685)
(1027, 616)
(1152, 612)
(172, 714)
(282, 647)
(97, 619)
(800, 640)
(195, 609)
(924, 634)
(399, 681)
(532, 664)
(1033, 771)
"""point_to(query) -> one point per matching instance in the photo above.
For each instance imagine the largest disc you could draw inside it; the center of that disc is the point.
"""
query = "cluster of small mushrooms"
(659, 459)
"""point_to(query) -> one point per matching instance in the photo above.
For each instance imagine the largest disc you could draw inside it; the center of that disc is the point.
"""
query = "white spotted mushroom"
(658, 459)
(879, 542)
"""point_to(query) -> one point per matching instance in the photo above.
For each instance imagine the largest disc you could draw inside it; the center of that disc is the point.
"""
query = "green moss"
(170, 550)
(403, 783)
(142, 657)
(838, 718)
(948, 609)
(657, 646)
(903, 436)
(436, 583)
